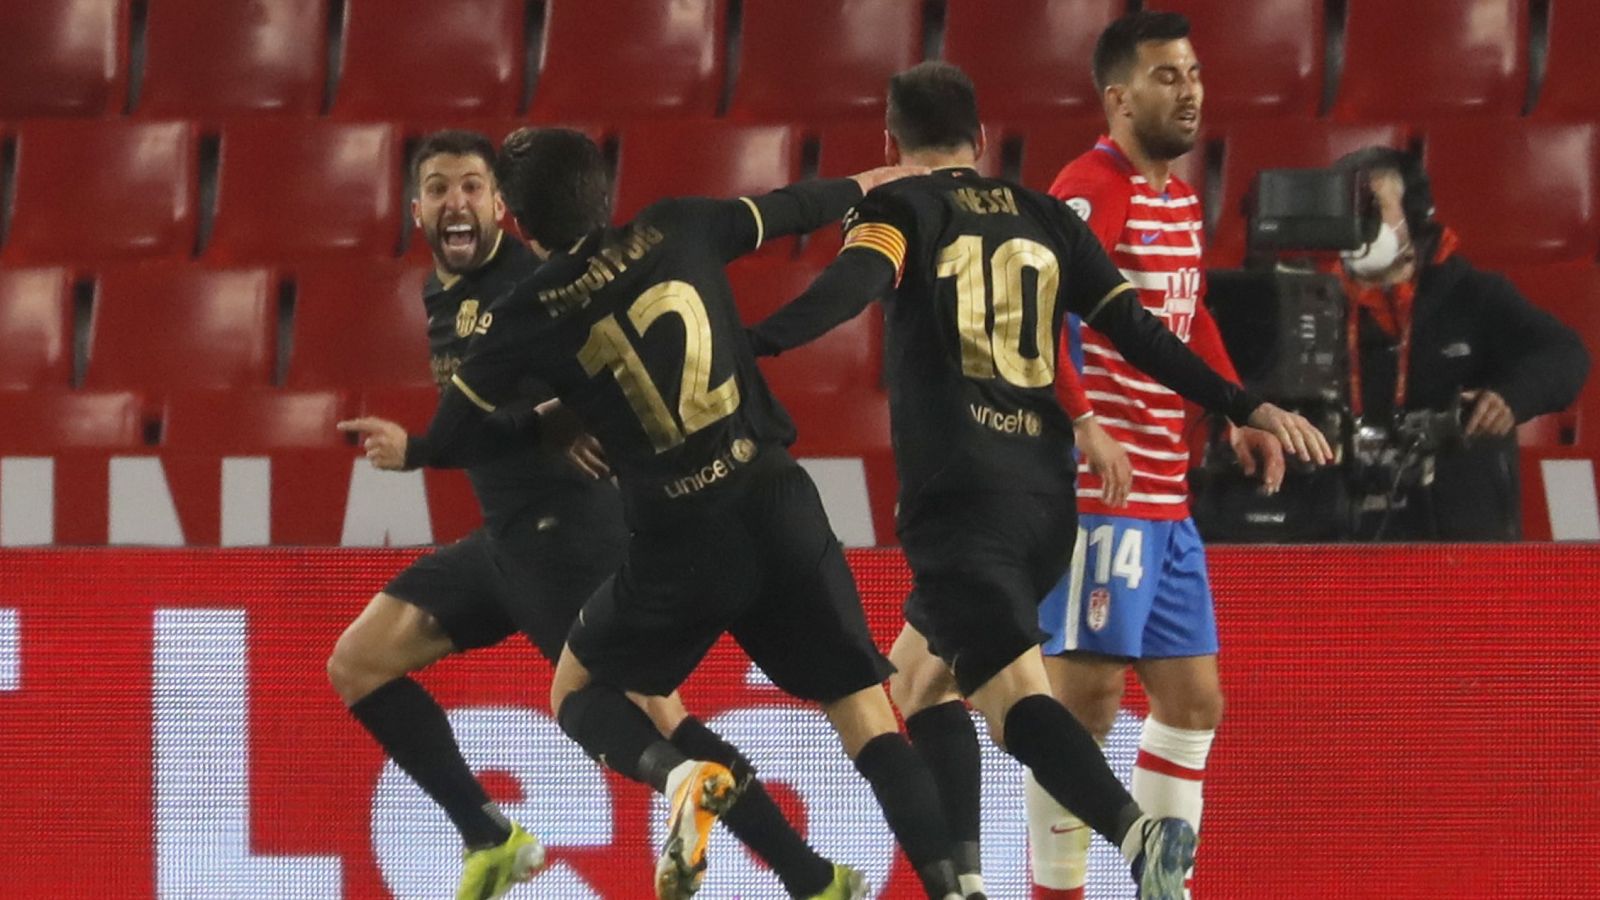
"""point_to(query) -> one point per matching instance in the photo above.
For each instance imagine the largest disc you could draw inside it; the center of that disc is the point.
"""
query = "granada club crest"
(1099, 609)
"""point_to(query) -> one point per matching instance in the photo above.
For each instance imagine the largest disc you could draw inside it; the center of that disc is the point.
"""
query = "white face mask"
(1376, 257)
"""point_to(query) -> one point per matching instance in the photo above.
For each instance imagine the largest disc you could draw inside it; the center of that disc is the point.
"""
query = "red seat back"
(1029, 59)
(1260, 57)
(253, 421)
(35, 328)
(629, 59)
(1424, 59)
(822, 60)
(290, 191)
(1518, 191)
(48, 421)
(1568, 89)
(87, 192)
(728, 160)
(180, 326)
(379, 302)
(409, 58)
(207, 60)
(63, 57)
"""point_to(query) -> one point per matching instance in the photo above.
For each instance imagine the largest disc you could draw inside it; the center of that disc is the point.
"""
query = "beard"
(459, 260)
(1164, 140)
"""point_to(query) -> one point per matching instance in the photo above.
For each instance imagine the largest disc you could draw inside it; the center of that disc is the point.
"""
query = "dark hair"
(452, 142)
(1417, 202)
(1118, 46)
(556, 183)
(932, 105)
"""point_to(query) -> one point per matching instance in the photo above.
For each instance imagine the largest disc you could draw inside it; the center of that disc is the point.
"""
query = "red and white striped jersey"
(1155, 239)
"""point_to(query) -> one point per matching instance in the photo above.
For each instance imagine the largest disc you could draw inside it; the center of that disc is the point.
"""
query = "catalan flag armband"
(883, 238)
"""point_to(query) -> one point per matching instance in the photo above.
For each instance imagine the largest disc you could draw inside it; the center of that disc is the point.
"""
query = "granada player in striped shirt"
(1137, 590)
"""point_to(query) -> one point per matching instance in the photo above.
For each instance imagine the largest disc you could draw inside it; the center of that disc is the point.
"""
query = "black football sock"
(756, 820)
(413, 729)
(612, 730)
(910, 800)
(948, 742)
(1068, 764)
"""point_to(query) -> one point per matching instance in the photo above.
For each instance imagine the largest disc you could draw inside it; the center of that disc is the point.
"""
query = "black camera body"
(1286, 327)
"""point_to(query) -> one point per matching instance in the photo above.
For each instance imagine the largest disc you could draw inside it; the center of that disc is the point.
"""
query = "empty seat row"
(815, 61)
(293, 192)
(165, 327)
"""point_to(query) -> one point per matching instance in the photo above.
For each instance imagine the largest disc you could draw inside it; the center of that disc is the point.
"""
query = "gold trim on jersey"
(761, 225)
(883, 238)
(471, 394)
(1110, 296)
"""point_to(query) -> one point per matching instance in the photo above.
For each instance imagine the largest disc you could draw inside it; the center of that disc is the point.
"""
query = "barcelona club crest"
(466, 318)
(1099, 609)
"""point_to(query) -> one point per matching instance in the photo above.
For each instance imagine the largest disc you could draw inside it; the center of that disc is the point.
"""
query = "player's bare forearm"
(839, 294)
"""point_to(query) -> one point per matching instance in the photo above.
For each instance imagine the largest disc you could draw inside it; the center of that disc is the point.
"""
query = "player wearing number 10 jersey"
(635, 329)
(976, 275)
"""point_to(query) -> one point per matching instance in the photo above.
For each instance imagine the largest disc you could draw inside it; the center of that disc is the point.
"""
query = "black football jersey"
(456, 305)
(636, 330)
(976, 275)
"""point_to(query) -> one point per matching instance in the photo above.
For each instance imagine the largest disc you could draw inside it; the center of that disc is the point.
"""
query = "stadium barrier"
(1402, 722)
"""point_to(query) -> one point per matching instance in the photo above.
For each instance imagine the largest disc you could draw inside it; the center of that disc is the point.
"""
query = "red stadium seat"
(208, 60)
(409, 58)
(1030, 59)
(848, 358)
(35, 328)
(1262, 58)
(822, 60)
(1048, 147)
(63, 58)
(1518, 191)
(1425, 59)
(702, 158)
(629, 59)
(381, 301)
(87, 192)
(412, 407)
(170, 327)
(291, 191)
(1571, 293)
(1287, 144)
(253, 421)
(48, 421)
(1568, 91)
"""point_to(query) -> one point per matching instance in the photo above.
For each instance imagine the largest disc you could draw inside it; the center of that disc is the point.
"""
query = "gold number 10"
(985, 351)
(699, 404)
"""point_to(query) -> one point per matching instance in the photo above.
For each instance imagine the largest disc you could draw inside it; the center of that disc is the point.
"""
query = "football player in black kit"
(634, 327)
(552, 534)
(976, 275)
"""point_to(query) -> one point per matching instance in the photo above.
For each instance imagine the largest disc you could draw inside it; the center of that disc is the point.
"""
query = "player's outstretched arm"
(1153, 349)
(800, 208)
(839, 294)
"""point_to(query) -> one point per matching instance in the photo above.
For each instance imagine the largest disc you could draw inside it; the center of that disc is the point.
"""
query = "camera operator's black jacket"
(1471, 329)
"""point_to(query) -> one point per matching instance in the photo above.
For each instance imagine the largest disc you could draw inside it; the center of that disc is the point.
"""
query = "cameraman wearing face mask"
(1445, 361)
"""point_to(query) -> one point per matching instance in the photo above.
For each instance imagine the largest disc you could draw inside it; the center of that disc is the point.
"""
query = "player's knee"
(1202, 712)
(355, 671)
(1096, 706)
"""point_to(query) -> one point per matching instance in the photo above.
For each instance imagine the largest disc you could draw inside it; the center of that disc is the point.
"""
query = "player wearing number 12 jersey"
(976, 275)
(635, 330)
